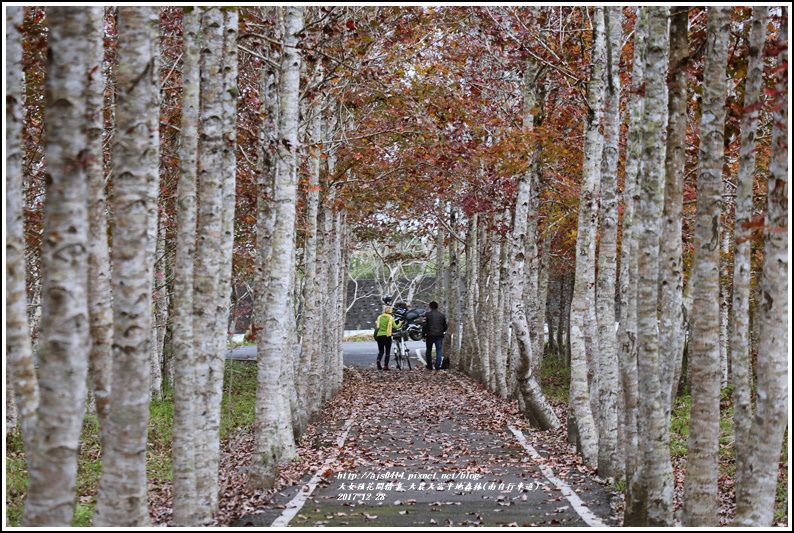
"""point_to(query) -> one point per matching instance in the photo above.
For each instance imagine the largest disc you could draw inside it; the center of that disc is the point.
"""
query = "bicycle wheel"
(407, 356)
(397, 356)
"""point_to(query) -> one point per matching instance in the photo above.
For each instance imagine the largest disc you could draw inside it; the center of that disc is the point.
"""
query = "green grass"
(237, 410)
(238, 344)
(555, 379)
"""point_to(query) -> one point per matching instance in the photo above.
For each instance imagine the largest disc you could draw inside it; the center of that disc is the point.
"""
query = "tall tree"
(671, 263)
(657, 469)
(64, 339)
(21, 374)
(627, 331)
(740, 330)
(211, 267)
(100, 306)
(583, 304)
(700, 490)
(535, 405)
(185, 505)
(609, 456)
(122, 494)
(270, 421)
(755, 500)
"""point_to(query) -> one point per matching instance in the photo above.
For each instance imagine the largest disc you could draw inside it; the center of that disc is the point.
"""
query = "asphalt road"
(359, 354)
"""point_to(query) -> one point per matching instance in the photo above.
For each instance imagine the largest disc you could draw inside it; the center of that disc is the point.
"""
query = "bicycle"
(401, 353)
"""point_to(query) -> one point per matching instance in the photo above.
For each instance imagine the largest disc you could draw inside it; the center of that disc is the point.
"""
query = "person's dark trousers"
(384, 346)
(429, 343)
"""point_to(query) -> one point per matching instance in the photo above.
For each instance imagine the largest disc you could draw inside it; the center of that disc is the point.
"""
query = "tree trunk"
(740, 331)
(309, 382)
(657, 469)
(468, 337)
(100, 304)
(451, 339)
(609, 456)
(700, 490)
(671, 314)
(228, 175)
(64, 338)
(500, 318)
(159, 314)
(633, 448)
(208, 269)
(482, 367)
(185, 506)
(21, 374)
(122, 494)
(583, 304)
(755, 499)
(537, 408)
(543, 295)
(271, 421)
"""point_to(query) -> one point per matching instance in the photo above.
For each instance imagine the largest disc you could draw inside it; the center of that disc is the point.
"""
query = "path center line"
(297, 503)
(576, 503)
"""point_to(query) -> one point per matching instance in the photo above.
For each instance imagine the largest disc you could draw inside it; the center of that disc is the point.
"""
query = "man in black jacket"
(433, 334)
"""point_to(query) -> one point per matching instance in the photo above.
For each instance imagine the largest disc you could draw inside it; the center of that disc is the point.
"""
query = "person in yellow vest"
(385, 324)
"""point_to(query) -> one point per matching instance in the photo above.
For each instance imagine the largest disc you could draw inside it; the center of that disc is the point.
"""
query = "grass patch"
(555, 379)
(237, 410)
(238, 404)
(238, 344)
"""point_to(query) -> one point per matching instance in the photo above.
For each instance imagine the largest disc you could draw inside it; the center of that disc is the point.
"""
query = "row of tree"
(157, 157)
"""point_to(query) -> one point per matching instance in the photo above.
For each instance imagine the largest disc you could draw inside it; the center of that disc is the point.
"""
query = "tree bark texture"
(609, 456)
(270, 420)
(634, 448)
(185, 501)
(740, 330)
(657, 469)
(756, 498)
(21, 374)
(671, 317)
(700, 490)
(122, 494)
(64, 338)
(100, 306)
(583, 304)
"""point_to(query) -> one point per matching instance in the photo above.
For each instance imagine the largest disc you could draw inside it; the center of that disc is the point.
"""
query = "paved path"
(426, 448)
(359, 354)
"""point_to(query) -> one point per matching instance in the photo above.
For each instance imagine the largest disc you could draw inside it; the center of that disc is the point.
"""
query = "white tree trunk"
(657, 469)
(159, 311)
(21, 378)
(122, 494)
(537, 409)
(700, 490)
(633, 448)
(609, 456)
(583, 304)
(100, 302)
(501, 333)
(755, 499)
(270, 421)
(309, 381)
(185, 506)
(740, 331)
(469, 335)
(228, 172)
(208, 268)
(452, 339)
(671, 314)
(336, 355)
(64, 339)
